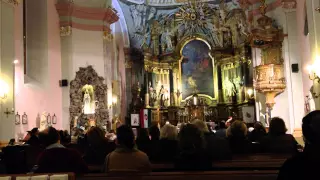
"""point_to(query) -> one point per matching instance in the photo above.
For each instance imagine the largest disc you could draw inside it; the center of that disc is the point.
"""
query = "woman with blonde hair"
(218, 148)
(167, 147)
(237, 136)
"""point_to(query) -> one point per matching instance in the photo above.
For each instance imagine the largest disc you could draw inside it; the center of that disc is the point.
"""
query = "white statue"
(229, 87)
(43, 121)
(152, 13)
(166, 39)
(87, 107)
(136, 17)
(242, 28)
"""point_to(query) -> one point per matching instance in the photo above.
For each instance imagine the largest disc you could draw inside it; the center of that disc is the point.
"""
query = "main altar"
(196, 64)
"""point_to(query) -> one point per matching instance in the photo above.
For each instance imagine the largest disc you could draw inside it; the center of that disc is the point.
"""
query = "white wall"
(6, 69)
(39, 90)
(81, 49)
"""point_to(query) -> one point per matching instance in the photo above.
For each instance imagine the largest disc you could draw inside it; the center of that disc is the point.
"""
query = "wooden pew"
(71, 176)
(210, 175)
(244, 162)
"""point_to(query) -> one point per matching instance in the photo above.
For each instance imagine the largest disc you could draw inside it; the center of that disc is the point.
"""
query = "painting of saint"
(197, 69)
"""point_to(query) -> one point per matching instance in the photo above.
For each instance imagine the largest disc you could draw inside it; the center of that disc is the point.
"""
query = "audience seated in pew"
(56, 158)
(277, 141)
(304, 165)
(126, 157)
(194, 148)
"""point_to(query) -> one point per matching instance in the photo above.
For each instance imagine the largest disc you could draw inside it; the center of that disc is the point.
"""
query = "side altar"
(197, 65)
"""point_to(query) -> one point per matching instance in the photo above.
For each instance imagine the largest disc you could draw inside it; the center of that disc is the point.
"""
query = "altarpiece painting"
(197, 69)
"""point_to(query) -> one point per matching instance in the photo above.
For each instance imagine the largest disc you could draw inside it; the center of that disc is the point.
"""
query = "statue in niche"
(152, 13)
(43, 121)
(230, 89)
(153, 96)
(89, 105)
(162, 96)
(136, 99)
(136, 16)
(166, 40)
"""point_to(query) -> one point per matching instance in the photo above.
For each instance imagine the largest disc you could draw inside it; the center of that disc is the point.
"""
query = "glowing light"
(16, 61)
(250, 92)
(4, 89)
(114, 100)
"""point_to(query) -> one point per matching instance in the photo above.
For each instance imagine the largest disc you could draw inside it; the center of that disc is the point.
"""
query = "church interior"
(179, 89)
(82, 63)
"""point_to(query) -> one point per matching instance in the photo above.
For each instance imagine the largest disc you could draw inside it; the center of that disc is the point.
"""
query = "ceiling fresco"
(141, 14)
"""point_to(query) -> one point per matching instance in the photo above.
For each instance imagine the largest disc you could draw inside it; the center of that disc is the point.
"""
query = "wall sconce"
(318, 8)
(114, 102)
(250, 93)
(4, 90)
(314, 70)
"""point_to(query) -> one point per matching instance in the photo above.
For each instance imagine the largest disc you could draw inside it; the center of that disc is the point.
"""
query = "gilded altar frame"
(183, 42)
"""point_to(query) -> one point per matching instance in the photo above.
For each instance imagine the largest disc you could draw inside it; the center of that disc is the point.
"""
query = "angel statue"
(166, 40)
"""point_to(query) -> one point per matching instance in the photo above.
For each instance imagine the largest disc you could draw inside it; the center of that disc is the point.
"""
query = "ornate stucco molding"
(78, 16)
(65, 31)
(107, 36)
(289, 4)
(12, 2)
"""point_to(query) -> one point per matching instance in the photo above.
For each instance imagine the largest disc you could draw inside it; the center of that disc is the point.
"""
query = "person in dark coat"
(98, 146)
(192, 153)
(258, 133)
(304, 165)
(56, 158)
(143, 140)
(222, 131)
(277, 141)
(217, 147)
(34, 139)
(154, 133)
(237, 137)
(167, 147)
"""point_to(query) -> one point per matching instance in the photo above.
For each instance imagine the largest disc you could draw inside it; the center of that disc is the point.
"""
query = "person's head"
(238, 129)
(168, 131)
(222, 125)
(277, 127)
(125, 137)
(96, 136)
(154, 132)
(49, 136)
(201, 125)
(143, 134)
(191, 138)
(311, 128)
(34, 132)
(258, 126)
(12, 142)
